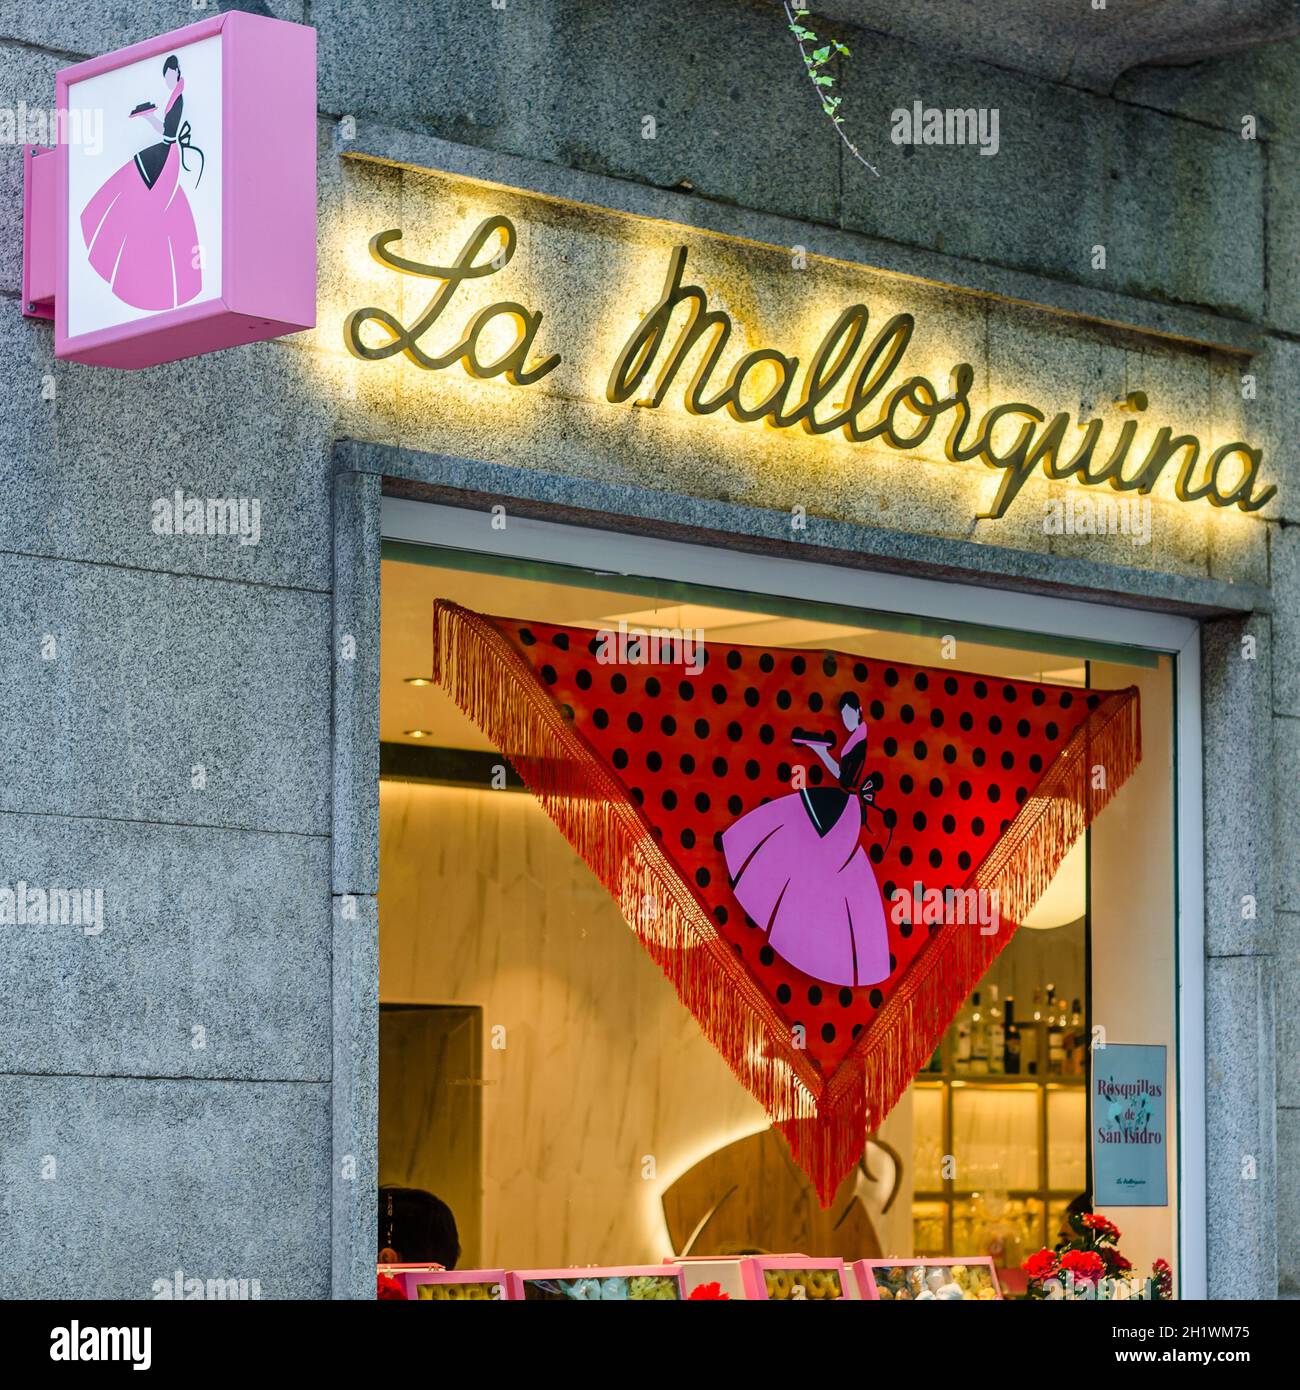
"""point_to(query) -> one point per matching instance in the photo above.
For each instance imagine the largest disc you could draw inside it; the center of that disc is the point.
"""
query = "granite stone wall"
(190, 1088)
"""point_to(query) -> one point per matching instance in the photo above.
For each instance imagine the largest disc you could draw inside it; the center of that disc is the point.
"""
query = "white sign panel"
(144, 211)
(1130, 1149)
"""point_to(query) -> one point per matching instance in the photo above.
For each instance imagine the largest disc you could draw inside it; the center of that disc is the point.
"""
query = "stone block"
(1288, 1020)
(356, 1093)
(1240, 1103)
(1286, 778)
(357, 543)
(1178, 207)
(210, 956)
(1284, 236)
(112, 1185)
(1288, 1202)
(27, 80)
(162, 698)
(1262, 82)
(714, 98)
(1238, 756)
(92, 472)
(1284, 572)
(72, 30)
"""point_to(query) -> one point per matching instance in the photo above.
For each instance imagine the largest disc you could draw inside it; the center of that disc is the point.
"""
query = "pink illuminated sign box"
(180, 201)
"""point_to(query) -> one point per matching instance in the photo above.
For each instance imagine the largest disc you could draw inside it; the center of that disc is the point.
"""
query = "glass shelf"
(936, 1078)
(1017, 1166)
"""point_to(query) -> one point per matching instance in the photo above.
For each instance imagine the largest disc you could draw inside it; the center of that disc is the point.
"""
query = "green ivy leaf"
(822, 81)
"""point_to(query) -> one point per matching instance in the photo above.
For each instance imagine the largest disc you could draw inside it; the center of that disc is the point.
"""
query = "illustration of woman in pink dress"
(139, 228)
(800, 873)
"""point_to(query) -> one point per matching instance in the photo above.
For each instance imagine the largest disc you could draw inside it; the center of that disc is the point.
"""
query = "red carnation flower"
(713, 1291)
(1104, 1227)
(388, 1287)
(1164, 1277)
(1117, 1263)
(1041, 1265)
(1085, 1265)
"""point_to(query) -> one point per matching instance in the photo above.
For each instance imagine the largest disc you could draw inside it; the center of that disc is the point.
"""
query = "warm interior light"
(1066, 898)
(416, 733)
(418, 680)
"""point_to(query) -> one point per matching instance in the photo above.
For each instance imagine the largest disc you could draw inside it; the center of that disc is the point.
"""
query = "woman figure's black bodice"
(150, 161)
(825, 805)
(852, 765)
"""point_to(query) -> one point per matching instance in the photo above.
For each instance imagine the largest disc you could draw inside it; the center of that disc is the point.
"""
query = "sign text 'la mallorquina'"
(849, 368)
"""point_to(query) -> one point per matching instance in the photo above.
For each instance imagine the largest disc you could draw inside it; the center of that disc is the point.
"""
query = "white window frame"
(611, 552)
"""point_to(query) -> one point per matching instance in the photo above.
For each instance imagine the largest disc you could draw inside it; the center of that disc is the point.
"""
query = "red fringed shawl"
(762, 881)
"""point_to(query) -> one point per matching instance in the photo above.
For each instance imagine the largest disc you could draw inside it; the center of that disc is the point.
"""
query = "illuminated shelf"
(946, 1209)
(936, 1078)
(1016, 1194)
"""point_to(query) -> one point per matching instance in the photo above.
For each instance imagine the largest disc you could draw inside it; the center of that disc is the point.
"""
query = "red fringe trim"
(824, 1123)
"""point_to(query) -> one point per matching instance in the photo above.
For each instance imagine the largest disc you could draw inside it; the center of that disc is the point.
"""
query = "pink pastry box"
(423, 1285)
(597, 1283)
(700, 1271)
(969, 1278)
(797, 1278)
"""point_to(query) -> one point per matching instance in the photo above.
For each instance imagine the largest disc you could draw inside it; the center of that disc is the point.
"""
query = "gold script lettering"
(1037, 443)
(513, 364)
(845, 378)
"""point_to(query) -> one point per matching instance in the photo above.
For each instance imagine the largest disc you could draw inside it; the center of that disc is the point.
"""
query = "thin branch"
(809, 68)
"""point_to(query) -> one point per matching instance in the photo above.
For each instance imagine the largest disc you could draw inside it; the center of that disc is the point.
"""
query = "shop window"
(611, 1131)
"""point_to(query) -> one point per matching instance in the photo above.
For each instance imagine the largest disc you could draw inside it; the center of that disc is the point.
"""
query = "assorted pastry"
(793, 1284)
(459, 1293)
(614, 1288)
(954, 1283)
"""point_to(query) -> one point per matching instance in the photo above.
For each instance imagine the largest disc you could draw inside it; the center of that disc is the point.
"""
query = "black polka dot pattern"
(958, 756)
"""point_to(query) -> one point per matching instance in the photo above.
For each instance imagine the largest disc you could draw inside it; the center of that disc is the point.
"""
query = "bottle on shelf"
(1030, 1036)
(1055, 1033)
(1078, 1054)
(961, 1053)
(1011, 1048)
(979, 1038)
(997, 1035)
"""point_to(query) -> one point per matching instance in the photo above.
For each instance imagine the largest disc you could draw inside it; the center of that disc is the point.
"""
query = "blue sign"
(1129, 1135)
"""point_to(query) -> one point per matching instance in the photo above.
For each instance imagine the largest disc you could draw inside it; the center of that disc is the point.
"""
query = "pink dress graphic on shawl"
(799, 870)
(139, 228)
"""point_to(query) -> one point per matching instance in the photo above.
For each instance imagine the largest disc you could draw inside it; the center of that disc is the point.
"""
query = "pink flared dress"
(799, 870)
(139, 228)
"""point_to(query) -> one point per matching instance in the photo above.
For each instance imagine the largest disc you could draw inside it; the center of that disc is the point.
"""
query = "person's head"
(415, 1227)
(850, 710)
(1079, 1206)
(172, 71)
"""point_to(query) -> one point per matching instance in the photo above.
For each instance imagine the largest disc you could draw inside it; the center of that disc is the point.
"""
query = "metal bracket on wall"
(39, 186)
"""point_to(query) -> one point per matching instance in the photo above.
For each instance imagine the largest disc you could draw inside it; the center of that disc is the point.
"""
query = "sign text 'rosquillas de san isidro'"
(853, 382)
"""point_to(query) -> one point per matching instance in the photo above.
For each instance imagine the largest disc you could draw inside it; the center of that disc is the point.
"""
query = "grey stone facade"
(195, 1088)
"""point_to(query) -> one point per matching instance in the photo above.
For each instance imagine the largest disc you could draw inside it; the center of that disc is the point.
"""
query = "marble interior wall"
(599, 1089)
